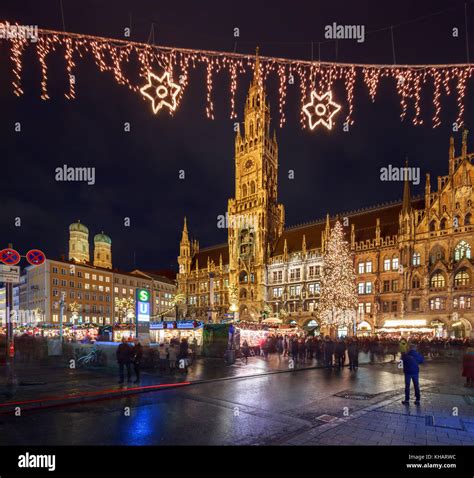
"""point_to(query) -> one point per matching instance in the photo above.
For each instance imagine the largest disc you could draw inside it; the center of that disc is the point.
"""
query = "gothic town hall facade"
(413, 259)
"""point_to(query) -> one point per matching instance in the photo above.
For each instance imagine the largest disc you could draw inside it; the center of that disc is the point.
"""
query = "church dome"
(77, 226)
(102, 238)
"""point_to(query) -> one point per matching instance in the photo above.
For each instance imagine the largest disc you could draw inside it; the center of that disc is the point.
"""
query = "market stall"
(164, 332)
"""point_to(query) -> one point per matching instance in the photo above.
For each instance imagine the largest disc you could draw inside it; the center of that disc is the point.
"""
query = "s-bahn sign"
(143, 312)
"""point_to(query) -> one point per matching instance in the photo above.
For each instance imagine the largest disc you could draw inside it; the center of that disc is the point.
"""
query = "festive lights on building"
(131, 63)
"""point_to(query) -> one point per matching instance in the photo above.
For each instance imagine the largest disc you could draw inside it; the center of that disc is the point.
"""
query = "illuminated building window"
(368, 307)
(438, 303)
(87, 275)
(101, 278)
(416, 259)
(361, 267)
(462, 278)
(361, 288)
(438, 281)
(55, 318)
(394, 285)
(361, 308)
(462, 250)
(462, 302)
(368, 287)
(368, 266)
(94, 276)
(395, 263)
(107, 279)
(386, 264)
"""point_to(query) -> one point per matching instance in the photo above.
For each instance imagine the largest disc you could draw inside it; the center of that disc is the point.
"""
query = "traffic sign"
(35, 257)
(10, 274)
(9, 256)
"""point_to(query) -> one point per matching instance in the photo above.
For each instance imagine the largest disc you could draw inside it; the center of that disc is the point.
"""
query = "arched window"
(462, 278)
(252, 187)
(463, 249)
(368, 266)
(467, 219)
(243, 277)
(436, 254)
(415, 283)
(416, 259)
(433, 225)
(395, 263)
(244, 190)
(442, 224)
(437, 281)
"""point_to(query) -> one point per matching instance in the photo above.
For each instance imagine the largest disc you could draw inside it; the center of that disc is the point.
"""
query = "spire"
(464, 143)
(256, 71)
(185, 237)
(303, 245)
(406, 191)
(285, 249)
(451, 155)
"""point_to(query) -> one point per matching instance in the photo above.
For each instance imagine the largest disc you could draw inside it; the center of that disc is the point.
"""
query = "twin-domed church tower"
(79, 246)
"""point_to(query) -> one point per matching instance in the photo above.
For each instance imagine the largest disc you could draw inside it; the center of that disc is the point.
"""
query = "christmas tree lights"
(412, 83)
(338, 296)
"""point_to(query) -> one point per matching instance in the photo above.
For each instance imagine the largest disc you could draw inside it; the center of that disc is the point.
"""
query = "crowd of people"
(337, 352)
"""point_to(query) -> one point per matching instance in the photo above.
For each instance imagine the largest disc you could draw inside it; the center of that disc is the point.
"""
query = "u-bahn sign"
(143, 313)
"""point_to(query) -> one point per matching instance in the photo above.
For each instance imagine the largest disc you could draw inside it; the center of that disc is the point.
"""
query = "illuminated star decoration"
(321, 110)
(161, 91)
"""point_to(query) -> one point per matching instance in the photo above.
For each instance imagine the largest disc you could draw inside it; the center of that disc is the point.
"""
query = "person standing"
(183, 355)
(137, 360)
(411, 360)
(245, 351)
(294, 349)
(340, 350)
(172, 355)
(328, 351)
(353, 352)
(124, 359)
(468, 367)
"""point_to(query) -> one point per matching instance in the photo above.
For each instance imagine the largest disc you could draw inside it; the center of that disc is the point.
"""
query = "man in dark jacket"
(411, 359)
(353, 352)
(137, 360)
(124, 358)
(328, 351)
(340, 352)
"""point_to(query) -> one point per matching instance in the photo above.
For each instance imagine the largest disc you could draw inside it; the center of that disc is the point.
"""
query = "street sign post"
(9, 274)
(143, 312)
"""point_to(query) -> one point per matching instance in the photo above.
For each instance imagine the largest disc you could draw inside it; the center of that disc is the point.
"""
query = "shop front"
(164, 332)
(407, 327)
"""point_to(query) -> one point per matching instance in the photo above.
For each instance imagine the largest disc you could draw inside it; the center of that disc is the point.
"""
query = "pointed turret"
(185, 252)
(406, 207)
(464, 143)
(303, 245)
(452, 153)
(285, 250)
(427, 190)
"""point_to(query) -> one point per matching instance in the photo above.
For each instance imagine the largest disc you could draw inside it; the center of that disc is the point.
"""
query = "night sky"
(137, 172)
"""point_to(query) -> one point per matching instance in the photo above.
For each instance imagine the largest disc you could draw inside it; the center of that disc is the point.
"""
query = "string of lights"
(172, 65)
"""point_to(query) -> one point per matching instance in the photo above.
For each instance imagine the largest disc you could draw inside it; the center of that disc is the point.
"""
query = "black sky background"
(137, 172)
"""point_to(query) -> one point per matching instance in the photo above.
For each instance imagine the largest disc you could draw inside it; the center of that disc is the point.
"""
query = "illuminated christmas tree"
(338, 297)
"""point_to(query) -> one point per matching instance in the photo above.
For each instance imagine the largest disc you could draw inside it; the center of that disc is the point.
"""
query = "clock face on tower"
(248, 164)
